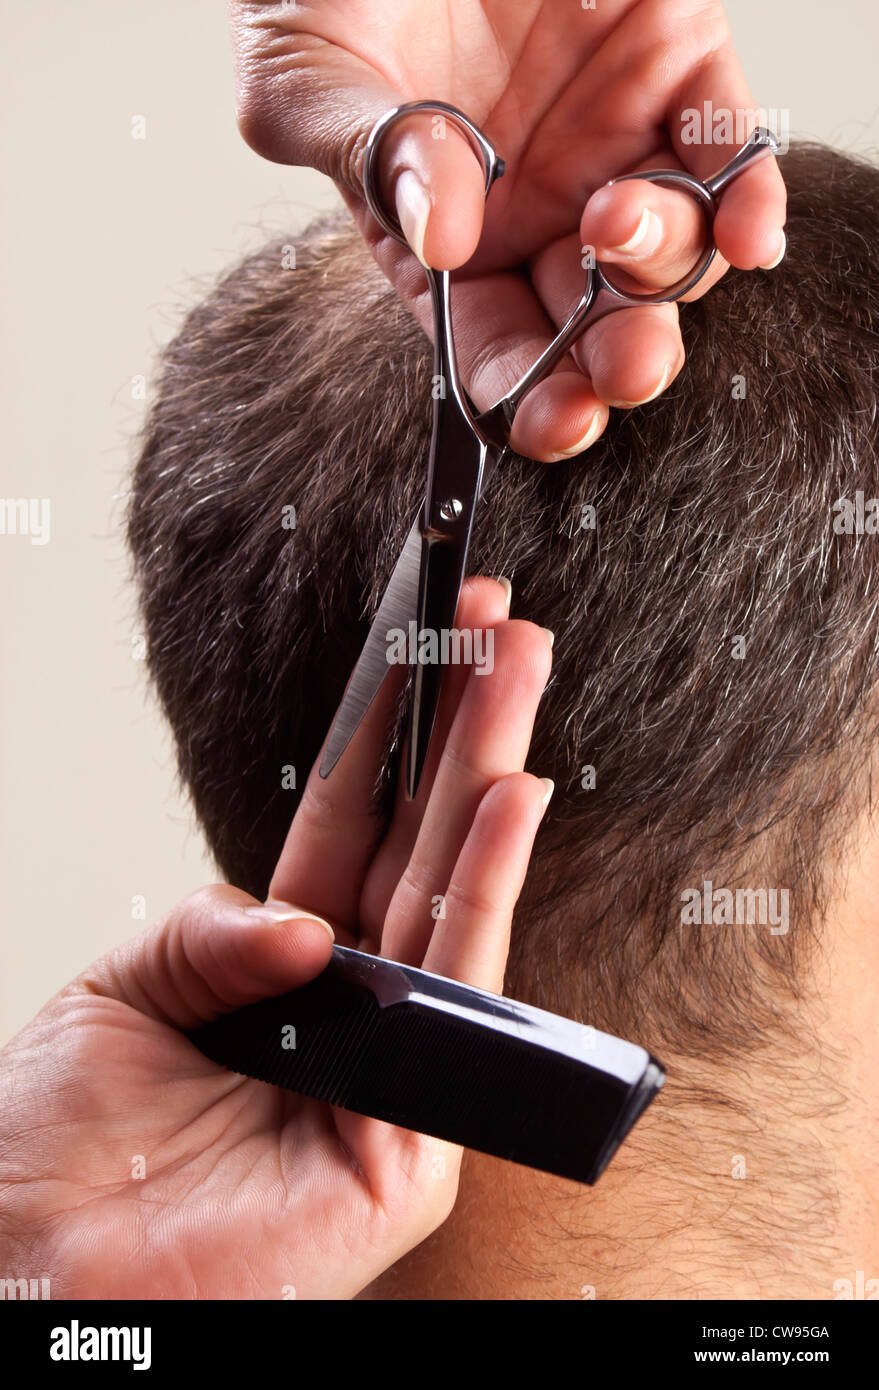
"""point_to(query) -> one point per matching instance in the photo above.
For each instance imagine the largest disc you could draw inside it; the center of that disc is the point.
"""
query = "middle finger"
(489, 739)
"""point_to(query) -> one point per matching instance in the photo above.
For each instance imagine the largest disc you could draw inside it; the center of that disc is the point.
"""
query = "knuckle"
(200, 905)
(267, 98)
(469, 902)
(258, 125)
(419, 878)
(347, 161)
(490, 368)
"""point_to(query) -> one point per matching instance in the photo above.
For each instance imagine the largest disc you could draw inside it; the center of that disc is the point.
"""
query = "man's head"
(710, 713)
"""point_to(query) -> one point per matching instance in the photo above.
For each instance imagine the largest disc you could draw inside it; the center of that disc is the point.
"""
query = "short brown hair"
(714, 521)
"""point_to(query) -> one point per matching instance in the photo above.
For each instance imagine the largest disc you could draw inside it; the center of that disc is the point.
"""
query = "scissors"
(467, 446)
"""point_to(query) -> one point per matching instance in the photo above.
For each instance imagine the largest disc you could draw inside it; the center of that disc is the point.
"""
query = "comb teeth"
(340, 1046)
(324, 1062)
(462, 1081)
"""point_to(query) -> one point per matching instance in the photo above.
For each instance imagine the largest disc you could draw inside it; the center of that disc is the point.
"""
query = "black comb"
(444, 1059)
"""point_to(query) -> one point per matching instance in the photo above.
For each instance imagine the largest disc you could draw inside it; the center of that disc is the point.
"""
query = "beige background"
(106, 239)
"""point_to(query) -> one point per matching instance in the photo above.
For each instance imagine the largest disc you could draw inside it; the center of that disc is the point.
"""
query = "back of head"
(716, 642)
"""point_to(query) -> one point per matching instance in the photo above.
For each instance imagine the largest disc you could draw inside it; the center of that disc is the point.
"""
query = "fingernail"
(506, 586)
(583, 444)
(276, 913)
(549, 784)
(770, 265)
(646, 236)
(550, 637)
(413, 209)
(657, 391)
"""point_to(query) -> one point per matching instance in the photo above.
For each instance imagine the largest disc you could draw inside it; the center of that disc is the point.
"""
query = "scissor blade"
(442, 576)
(443, 563)
(396, 610)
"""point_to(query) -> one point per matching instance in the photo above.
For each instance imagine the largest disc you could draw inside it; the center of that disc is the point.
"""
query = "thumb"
(433, 179)
(321, 114)
(217, 950)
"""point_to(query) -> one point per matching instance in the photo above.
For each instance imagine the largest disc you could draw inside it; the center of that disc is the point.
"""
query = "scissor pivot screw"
(451, 509)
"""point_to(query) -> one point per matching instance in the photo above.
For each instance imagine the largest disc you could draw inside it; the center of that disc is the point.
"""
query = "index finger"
(336, 826)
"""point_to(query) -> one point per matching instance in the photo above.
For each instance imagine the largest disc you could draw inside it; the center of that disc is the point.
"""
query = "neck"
(751, 1179)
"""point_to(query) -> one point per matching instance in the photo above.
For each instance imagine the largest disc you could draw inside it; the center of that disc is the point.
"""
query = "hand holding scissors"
(571, 96)
(466, 447)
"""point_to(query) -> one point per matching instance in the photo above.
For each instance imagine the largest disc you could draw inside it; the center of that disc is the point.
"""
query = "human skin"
(571, 98)
(249, 1191)
(773, 1195)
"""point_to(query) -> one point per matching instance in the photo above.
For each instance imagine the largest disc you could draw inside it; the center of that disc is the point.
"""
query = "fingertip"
(507, 586)
(414, 207)
(451, 239)
(634, 355)
(618, 222)
(652, 233)
(525, 657)
(547, 788)
(218, 950)
(274, 913)
(559, 419)
(438, 190)
(484, 601)
(513, 800)
(779, 254)
(281, 947)
(522, 796)
(594, 430)
(749, 227)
